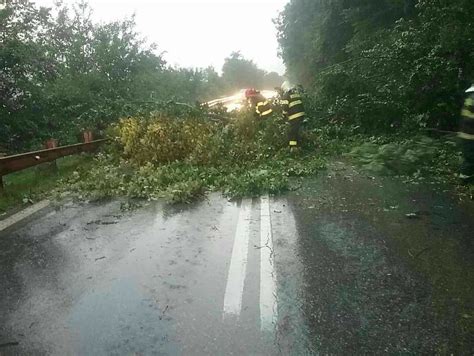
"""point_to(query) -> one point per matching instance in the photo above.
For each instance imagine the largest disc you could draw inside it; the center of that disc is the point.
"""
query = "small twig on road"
(100, 258)
(12, 343)
(419, 253)
(163, 313)
(422, 252)
(100, 222)
(267, 246)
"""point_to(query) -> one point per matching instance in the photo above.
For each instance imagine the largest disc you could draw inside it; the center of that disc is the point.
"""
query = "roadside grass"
(32, 184)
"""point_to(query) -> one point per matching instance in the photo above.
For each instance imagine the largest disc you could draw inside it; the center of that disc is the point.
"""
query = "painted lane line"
(4, 224)
(238, 263)
(268, 301)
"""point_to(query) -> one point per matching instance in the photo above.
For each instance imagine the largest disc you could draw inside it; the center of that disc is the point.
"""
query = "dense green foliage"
(61, 73)
(369, 66)
(381, 66)
(240, 157)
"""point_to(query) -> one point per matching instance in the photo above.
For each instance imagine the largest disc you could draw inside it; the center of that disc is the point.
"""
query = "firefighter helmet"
(250, 92)
(286, 86)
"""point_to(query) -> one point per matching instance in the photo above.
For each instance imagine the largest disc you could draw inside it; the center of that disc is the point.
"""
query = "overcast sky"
(198, 33)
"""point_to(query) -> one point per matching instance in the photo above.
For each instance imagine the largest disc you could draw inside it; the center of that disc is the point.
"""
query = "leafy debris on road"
(180, 157)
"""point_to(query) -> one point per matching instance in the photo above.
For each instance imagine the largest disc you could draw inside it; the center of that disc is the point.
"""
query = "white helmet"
(286, 86)
(471, 89)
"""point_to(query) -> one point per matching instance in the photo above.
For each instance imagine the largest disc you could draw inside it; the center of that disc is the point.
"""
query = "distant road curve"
(237, 101)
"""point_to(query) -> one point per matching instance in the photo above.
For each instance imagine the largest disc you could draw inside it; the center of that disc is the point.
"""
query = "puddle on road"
(120, 318)
(293, 333)
(159, 287)
(130, 286)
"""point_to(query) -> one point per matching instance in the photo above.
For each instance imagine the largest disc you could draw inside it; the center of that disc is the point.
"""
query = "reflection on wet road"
(260, 276)
(91, 280)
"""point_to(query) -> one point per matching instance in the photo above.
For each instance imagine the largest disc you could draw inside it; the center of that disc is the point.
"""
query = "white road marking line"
(268, 301)
(238, 262)
(15, 218)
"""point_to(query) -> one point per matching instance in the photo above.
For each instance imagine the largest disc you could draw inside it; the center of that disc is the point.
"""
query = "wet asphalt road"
(334, 268)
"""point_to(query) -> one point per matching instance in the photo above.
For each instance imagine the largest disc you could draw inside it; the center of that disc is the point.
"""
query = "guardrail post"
(87, 135)
(49, 144)
(2, 187)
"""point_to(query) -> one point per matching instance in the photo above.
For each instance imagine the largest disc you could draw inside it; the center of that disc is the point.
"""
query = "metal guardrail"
(14, 163)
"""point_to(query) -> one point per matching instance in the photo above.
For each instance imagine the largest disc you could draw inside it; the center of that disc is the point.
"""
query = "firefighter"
(293, 110)
(466, 135)
(263, 108)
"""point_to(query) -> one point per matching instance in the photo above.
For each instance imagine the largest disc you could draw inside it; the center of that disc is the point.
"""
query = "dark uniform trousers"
(466, 135)
(293, 109)
(294, 136)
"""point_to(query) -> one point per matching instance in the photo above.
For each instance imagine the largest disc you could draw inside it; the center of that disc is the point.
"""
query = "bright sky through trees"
(198, 33)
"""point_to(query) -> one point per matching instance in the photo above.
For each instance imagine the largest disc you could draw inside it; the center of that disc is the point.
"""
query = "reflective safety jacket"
(292, 105)
(467, 122)
(263, 107)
